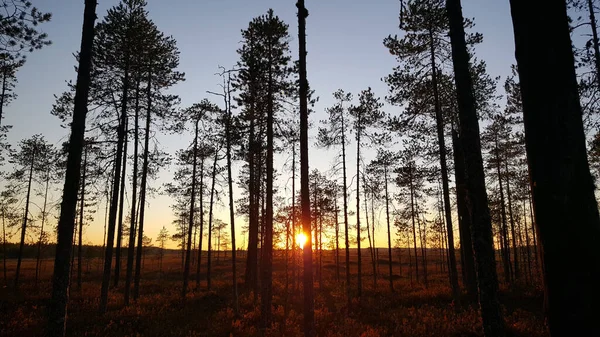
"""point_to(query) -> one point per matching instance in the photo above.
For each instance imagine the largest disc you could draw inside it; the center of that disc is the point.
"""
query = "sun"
(300, 239)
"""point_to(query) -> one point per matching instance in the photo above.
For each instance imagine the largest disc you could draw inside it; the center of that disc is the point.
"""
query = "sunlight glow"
(300, 239)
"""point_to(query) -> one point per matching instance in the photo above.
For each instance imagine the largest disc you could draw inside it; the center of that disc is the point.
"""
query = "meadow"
(413, 309)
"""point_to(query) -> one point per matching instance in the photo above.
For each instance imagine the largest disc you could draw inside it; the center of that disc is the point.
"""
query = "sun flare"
(300, 239)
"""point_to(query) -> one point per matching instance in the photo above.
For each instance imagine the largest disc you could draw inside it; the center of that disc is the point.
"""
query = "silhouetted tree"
(481, 227)
(60, 281)
(561, 183)
(309, 305)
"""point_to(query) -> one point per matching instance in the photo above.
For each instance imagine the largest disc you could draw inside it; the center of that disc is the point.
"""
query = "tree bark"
(57, 313)
(309, 305)
(561, 183)
(481, 230)
(464, 219)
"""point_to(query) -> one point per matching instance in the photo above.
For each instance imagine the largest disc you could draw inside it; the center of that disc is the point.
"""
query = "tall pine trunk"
(231, 202)
(210, 219)
(110, 235)
(143, 183)
(464, 219)
(566, 212)
(309, 305)
(444, 170)
(134, 185)
(481, 224)
(57, 311)
(186, 271)
(121, 209)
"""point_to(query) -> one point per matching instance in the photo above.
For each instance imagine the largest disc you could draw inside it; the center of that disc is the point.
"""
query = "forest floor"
(413, 309)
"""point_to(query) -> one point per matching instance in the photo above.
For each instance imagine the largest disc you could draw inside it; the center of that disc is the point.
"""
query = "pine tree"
(561, 183)
(60, 281)
(365, 116)
(335, 133)
(481, 227)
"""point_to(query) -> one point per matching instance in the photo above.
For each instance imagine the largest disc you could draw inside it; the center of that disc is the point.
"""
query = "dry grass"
(412, 310)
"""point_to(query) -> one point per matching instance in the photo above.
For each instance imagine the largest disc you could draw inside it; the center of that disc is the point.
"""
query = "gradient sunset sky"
(345, 50)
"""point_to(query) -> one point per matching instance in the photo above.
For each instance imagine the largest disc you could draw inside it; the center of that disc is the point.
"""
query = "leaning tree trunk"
(25, 218)
(566, 212)
(309, 304)
(481, 225)
(38, 262)
(57, 312)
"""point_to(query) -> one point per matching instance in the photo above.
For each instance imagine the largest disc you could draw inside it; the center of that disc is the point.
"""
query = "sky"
(344, 44)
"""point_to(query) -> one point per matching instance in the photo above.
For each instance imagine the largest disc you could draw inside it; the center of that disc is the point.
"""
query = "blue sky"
(344, 43)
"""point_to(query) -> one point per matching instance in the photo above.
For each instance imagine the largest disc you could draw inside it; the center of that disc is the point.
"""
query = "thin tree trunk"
(236, 305)
(39, 248)
(337, 236)
(57, 312)
(412, 215)
(25, 218)
(81, 213)
(121, 207)
(444, 170)
(389, 232)
(4, 243)
(309, 305)
(201, 222)
(505, 245)
(481, 225)
(371, 245)
(134, 185)
(115, 195)
(359, 274)
(562, 186)
(186, 271)
(516, 270)
(140, 244)
(210, 219)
